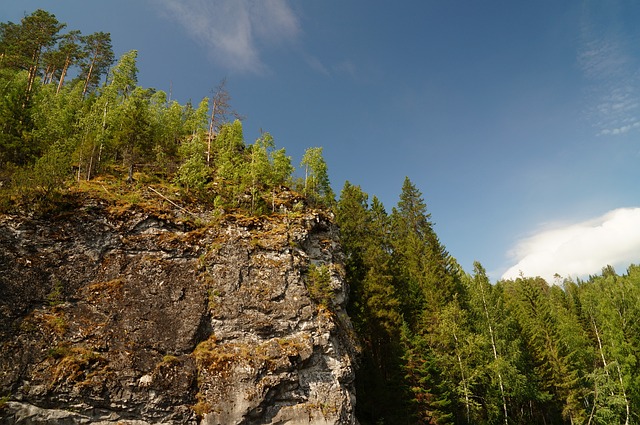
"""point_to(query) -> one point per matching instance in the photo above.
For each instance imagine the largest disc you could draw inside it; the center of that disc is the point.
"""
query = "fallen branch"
(172, 203)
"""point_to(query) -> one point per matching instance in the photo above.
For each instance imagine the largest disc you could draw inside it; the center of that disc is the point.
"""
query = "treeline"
(440, 346)
(445, 347)
(55, 129)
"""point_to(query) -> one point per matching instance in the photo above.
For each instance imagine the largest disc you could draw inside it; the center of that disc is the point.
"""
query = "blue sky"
(518, 120)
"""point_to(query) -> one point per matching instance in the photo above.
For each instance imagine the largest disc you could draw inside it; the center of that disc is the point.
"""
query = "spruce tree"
(373, 306)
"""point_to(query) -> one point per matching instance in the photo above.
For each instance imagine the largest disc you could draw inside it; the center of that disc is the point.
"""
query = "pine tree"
(97, 58)
(24, 45)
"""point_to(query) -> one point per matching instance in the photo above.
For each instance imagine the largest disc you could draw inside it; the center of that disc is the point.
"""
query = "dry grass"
(76, 364)
(108, 289)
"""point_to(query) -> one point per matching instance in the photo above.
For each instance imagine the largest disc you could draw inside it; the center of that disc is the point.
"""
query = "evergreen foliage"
(515, 352)
(439, 346)
(59, 123)
(318, 283)
(316, 178)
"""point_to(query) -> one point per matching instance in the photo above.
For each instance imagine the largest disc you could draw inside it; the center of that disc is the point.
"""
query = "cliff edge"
(119, 314)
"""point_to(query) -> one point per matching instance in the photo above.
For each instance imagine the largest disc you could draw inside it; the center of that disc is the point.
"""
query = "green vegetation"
(169, 359)
(440, 346)
(3, 401)
(56, 296)
(318, 282)
(445, 347)
(77, 364)
(57, 130)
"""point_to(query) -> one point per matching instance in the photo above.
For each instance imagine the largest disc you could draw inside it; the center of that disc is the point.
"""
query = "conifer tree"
(430, 276)
(16, 121)
(557, 385)
(24, 45)
(70, 51)
(373, 307)
(97, 58)
(281, 168)
(410, 225)
(268, 169)
(610, 302)
(260, 167)
(193, 172)
(167, 132)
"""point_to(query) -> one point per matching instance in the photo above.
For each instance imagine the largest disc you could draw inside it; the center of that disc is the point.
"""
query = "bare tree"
(221, 112)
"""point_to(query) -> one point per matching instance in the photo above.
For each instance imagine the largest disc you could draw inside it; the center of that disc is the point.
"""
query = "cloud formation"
(234, 31)
(607, 61)
(581, 249)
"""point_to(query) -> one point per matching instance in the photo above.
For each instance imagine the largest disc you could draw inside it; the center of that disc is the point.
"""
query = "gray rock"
(127, 316)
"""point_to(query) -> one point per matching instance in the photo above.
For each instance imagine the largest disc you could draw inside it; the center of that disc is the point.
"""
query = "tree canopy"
(55, 104)
(439, 345)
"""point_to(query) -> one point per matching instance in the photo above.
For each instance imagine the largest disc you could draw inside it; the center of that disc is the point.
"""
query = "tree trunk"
(86, 82)
(93, 151)
(464, 381)
(33, 70)
(47, 76)
(624, 394)
(67, 62)
(495, 355)
(595, 328)
(130, 173)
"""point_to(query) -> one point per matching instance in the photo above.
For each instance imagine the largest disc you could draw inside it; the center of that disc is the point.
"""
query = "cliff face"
(122, 315)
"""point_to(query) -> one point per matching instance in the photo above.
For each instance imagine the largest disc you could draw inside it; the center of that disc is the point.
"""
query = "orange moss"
(76, 365)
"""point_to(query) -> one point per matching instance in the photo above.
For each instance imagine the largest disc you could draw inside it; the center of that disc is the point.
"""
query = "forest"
(439, 345)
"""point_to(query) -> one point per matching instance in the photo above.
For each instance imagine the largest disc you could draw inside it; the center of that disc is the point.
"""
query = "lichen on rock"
(130, 316)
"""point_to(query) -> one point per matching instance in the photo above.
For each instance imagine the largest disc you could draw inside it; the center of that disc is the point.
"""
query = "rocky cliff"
(120, 314)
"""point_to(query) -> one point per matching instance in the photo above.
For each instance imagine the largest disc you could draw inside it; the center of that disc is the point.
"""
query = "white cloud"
(620, 130)
(602, 58)
(347, 67)
(316, 64)
(273, 20)
(607, 61)
(233, 31)
(580, 249)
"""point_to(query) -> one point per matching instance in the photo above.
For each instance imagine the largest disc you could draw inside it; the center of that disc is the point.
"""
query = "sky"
(519, 121)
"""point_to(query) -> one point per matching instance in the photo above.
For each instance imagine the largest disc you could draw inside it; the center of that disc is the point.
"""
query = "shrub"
(319, 284)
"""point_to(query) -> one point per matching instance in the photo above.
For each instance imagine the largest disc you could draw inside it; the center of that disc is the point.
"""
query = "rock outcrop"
(123, 315)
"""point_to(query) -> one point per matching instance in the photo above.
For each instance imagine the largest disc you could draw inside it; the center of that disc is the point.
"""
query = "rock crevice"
(127, 317)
